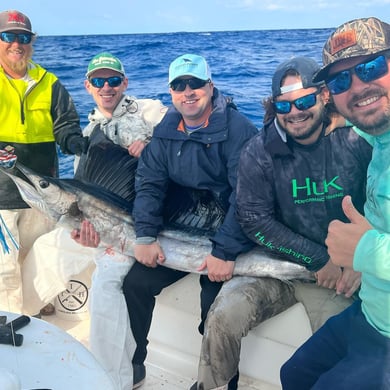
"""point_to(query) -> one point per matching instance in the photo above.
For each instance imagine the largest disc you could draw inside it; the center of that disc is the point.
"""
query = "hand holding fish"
(149, 254)
(349, 282)
(136, 148)
(343, 237)
(328, 275)
(86, 235)
(218, 270)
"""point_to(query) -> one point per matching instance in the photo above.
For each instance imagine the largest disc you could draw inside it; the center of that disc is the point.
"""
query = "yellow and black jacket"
(34, 116)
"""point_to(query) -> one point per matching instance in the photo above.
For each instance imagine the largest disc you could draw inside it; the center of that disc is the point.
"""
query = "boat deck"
(156, 377)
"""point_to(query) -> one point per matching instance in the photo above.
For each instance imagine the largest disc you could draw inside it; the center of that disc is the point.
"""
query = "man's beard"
(18, 67)
(309, 131)
(378, 125)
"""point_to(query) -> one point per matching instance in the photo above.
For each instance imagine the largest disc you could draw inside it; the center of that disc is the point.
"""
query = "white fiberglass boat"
(175, 342)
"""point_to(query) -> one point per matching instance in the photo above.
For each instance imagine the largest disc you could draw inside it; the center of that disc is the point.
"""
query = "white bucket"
(72, 304)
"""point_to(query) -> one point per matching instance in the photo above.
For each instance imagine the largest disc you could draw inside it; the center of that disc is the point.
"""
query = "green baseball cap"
(105, 61)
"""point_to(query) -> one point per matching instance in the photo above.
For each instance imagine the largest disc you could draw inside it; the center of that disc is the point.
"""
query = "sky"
(85, 17)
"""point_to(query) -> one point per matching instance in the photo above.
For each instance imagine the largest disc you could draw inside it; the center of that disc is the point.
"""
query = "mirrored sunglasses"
(366, 71)
(303, 103)
(9, 37)
(194, 83)
(98, 82)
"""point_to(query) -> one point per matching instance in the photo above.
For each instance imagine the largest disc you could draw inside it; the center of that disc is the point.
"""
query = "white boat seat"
(175, 341)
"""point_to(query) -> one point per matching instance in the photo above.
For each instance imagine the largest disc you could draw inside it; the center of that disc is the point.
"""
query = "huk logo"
(311, 188)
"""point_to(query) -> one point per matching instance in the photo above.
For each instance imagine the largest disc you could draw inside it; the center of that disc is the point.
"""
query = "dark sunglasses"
(181, 84)
(303, 103)
(366, 71)
(9, 37)
(98, 82)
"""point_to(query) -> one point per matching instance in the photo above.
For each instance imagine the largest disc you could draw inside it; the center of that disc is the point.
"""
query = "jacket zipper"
(22, 99)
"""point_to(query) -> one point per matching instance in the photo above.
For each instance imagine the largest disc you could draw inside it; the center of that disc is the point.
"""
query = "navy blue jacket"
(287, 193)
(206, 159)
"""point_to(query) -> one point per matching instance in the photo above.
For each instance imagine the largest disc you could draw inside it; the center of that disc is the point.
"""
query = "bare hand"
(150, 255)
(86, 235)
(349, 282)
(343, 237)
(328, 275)
(218, 270)
(136, 148)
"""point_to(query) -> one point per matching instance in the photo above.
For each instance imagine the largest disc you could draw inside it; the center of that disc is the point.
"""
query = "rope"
(3, 240)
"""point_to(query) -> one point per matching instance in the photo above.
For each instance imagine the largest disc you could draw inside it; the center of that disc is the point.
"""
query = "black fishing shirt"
(287, 193)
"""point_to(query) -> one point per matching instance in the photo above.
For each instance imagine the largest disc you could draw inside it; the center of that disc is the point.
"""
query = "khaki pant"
(242, 304)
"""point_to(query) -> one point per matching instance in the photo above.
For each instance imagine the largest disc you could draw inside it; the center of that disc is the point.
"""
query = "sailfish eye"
(43, 183)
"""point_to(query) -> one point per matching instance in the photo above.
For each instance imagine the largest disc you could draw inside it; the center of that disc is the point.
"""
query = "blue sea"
(242, 63)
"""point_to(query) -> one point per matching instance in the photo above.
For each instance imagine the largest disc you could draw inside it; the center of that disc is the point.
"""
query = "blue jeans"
(346, 353)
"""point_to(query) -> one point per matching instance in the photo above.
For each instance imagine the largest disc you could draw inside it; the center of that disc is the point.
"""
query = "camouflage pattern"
(358, 37)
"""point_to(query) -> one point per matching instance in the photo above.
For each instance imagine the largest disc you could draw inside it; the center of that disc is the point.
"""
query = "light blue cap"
(189, 65)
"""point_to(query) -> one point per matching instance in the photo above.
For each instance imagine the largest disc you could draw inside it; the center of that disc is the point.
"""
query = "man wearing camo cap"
(352, 350)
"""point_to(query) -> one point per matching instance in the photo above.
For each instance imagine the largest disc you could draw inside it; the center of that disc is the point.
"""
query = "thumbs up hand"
(343, 237)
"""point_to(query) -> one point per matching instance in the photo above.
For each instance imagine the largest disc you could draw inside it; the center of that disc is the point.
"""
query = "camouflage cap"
(358, 37)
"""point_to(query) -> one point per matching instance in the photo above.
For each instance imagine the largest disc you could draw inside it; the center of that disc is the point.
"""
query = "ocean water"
(242, 63)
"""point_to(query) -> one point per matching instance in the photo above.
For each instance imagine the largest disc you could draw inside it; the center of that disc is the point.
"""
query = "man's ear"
(325, 95)
(87, 86)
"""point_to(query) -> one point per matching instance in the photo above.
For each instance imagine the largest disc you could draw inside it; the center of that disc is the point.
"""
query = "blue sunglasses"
(366, 71)
(303, 103)
(98, 82)
(9, 37)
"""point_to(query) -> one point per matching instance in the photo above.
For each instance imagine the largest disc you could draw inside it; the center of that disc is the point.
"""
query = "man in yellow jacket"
(36, 112)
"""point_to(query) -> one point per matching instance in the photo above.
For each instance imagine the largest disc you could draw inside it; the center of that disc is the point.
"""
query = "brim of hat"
(17, 29)
(188, 74)
(105, 67)
(322, 74)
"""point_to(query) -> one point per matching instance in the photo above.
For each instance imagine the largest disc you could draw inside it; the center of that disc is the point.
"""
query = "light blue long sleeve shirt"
(372, 254)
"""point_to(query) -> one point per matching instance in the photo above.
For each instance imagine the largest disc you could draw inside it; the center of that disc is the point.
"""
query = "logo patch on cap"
(342, 41)
(16, 17)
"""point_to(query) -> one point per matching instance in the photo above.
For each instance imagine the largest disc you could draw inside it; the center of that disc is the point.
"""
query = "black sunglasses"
(9, 37)
(194, 83)
(303, 103)
(366, 71)
(98, 82)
